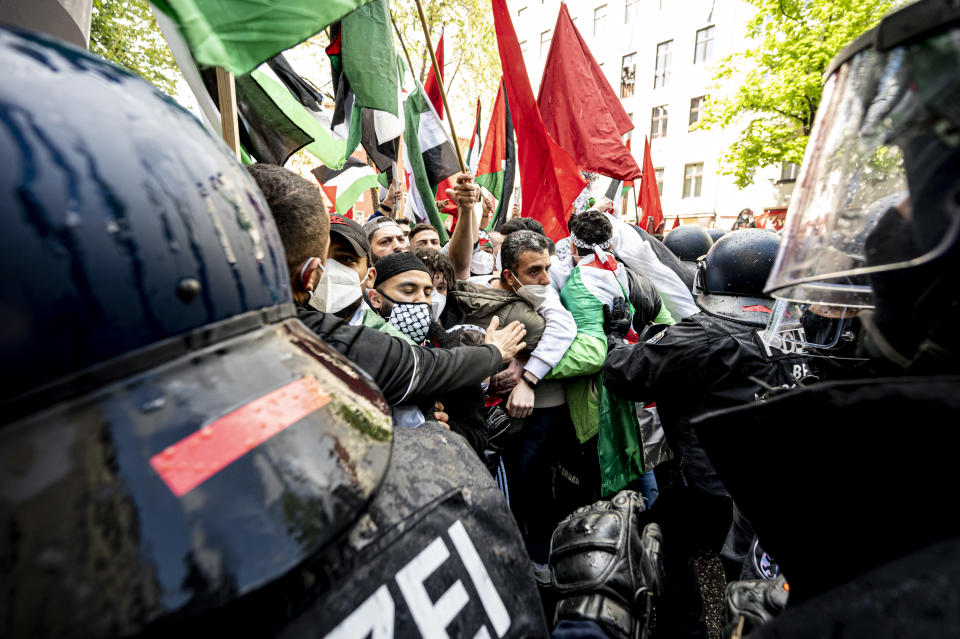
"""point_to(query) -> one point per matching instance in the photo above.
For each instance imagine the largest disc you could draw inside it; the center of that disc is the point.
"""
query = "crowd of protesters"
(523, 347)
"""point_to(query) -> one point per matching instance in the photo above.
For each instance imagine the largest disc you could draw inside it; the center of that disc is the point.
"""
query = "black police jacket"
(404, 373)
(856, 473)
(702, 364)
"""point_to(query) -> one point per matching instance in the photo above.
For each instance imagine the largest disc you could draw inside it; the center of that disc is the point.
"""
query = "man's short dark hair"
(522, 224)
(422, 226)
(438, 264)
(515, 244)
(298, 209)
(591, 227)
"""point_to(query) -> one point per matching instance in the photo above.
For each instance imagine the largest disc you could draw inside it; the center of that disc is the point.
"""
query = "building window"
(692, 180)
(629, 134)
(661, 72)
(789, 172)
(659, 174)
(703, 50)
(696, 109)
(523, 46)
(520, 11)
(599, 18)
(545, 38)
(658, 122)
(630, 11)
(628, 75)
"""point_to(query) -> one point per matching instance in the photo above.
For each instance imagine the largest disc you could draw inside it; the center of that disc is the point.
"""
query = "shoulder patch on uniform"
(656, 338)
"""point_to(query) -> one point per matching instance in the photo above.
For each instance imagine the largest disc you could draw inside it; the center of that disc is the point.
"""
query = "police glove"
(756, 601)
(607, 569)
(616, 320)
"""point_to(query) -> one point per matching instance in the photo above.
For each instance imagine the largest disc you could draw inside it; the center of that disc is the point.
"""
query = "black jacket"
(699, 365)
(405, 373)
(645, 299)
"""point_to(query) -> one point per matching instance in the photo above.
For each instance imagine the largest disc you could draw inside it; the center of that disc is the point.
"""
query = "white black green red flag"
(498, 159)
(346, 185)
(429, 156)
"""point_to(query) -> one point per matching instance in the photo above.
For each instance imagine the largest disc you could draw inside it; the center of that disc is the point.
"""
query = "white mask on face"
(338, 288)
(481, 264)
(438, 301)
(533, 294)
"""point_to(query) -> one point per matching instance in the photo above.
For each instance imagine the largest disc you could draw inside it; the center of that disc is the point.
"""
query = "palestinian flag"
(238, 35)
(593, 284)
(366, 112)
(301, 104)
(429, 157)
(498, 159)
(473, 153)
(346, 185)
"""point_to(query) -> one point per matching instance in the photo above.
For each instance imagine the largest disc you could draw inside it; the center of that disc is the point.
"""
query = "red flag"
(676, 223)
(579, 107)
(649, 197)
(431, 87)
(549, 177)
(628, 183)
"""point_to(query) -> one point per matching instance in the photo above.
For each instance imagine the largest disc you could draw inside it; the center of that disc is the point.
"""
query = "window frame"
(627, 88)
(663, 74)
(699, 110)
(603, 18)
(707, 45)
(659, 118)
(695, 180)
(545, 42)
(658, 173)
(630, 10)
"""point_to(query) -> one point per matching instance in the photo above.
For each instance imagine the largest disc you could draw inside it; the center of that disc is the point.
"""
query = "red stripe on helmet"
(201, 455)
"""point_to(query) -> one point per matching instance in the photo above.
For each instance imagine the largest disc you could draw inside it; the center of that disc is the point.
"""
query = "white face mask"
(481, 264)
(438, 301)
(338, 288)
(533, 294)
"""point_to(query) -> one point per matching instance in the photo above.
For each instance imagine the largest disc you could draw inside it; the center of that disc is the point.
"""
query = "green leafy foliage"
(125, 32)
(773, 89)
(472, 64)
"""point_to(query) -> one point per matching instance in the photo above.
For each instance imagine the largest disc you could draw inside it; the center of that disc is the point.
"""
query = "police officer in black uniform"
(180, 454)
(711, 360)
(859, 509)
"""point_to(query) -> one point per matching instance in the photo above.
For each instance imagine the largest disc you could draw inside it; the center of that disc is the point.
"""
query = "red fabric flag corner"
(579, 107)
(648, 199)
(549, 177)
(676, 223)
(431, 87)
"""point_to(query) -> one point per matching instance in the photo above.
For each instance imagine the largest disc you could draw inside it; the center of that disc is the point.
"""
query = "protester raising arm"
(465, 193)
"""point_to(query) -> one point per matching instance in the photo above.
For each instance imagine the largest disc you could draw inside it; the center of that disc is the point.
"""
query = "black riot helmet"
(689, 242)
(173, 437)
(730, 279)
(875, 218)
(716, 234)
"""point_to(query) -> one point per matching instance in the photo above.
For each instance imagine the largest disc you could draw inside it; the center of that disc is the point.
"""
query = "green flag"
(325, 147)
(369, 60)
(238, 35)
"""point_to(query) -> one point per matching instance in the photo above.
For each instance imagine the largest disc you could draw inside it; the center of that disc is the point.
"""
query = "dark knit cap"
(396, 263)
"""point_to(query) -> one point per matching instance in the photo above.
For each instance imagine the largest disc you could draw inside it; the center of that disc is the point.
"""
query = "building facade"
(659, 57)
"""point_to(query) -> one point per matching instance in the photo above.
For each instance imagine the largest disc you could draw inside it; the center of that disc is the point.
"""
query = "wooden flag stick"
(443, 92)
(227, 93)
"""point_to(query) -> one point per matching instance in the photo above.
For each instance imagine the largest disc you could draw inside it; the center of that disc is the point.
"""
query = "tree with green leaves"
(472, 65)
(126, 33)
(773, 89)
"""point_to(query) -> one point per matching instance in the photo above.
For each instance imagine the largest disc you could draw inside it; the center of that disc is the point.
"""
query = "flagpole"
(227, 94)
(443, 91)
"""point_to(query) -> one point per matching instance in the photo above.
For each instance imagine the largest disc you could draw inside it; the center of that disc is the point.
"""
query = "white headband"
(598, 249)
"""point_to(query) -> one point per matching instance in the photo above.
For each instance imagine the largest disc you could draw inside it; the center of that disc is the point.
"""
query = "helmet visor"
(868, 197)
(796, 328)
